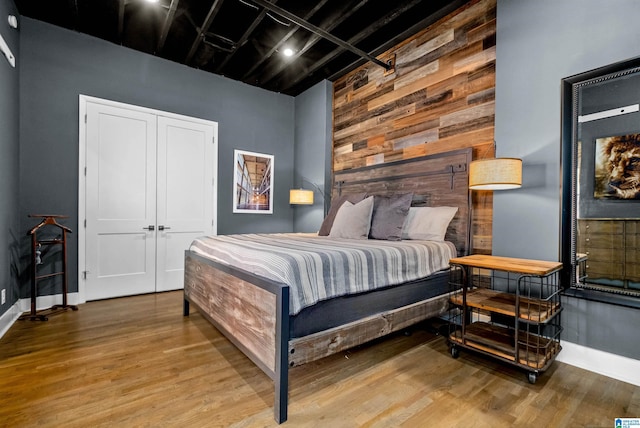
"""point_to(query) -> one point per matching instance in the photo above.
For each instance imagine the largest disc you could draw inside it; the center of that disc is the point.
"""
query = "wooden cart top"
(509, 264)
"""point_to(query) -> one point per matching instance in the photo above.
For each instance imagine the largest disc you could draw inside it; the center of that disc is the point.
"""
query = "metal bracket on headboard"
(461, 167)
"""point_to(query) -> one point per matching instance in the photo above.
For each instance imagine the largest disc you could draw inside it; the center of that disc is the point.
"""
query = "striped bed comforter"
(318, 267)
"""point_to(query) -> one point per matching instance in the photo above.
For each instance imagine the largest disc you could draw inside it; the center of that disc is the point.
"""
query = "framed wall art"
(252, 182)
(617, 167)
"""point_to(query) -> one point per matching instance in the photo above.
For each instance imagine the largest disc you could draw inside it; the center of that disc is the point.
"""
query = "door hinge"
(213, 140)
(85, 223)
(85, 171)
(84, 274)
(85, 118)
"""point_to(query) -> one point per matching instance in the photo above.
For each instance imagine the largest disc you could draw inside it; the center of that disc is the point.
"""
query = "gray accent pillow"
(354, 198)
(389, 214)
(353, 220)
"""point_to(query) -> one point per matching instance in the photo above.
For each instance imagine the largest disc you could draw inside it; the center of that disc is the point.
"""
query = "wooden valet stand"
(36, 259)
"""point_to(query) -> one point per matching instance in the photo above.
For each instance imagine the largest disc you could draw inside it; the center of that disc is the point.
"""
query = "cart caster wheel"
(455, 352)
(532, 378)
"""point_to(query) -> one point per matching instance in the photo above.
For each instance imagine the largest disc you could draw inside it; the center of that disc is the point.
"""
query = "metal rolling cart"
(508, 309)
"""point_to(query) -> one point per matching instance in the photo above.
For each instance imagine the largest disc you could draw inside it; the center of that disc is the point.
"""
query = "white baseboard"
(24, 305)
(604, 363)
(45, 302)
(9, 317)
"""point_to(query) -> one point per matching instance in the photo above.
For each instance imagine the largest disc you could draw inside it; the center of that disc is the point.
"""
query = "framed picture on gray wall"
(252, 182)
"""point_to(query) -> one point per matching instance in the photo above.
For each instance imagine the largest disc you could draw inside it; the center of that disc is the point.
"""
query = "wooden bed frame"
(253, 312)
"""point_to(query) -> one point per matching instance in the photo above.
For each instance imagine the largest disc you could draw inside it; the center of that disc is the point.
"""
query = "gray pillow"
(354, 198)
(389, 214)
(353, 220)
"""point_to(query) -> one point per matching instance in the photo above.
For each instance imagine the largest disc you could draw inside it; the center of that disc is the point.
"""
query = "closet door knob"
(150, 227)
(161, 227)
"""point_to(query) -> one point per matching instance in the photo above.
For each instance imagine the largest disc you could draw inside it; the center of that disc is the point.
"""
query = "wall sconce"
(300, 197)
(13, 21)
(305, 197)
(495, 174)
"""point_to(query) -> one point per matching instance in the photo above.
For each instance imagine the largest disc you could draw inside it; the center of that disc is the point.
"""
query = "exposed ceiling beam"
(230, 44)
(215, 8)
(431, 19)
(73, 5)
(319, 31)
(282, 41)
(242, 44)
(332, 22)
(121, 19)
(167, 24)
(372, 28)
(244, 38)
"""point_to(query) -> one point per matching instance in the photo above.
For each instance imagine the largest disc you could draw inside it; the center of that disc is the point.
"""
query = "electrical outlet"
(4, 296)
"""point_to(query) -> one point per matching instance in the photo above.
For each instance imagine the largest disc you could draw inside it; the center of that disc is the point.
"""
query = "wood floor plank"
(136, 361)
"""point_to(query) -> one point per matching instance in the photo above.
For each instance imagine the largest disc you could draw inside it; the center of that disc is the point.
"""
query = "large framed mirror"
(601, 184)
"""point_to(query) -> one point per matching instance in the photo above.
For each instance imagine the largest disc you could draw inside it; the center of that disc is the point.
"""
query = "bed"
(262, 312)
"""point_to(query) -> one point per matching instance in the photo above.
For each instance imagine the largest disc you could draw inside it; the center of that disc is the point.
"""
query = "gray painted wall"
(539, 43)
(313, 136)
(58, 65)
(9, 174)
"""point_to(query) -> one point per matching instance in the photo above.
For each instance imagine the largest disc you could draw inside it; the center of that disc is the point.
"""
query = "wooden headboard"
(436, 180)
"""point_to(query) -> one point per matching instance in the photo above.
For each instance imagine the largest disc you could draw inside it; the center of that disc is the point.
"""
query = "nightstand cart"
(507, 308)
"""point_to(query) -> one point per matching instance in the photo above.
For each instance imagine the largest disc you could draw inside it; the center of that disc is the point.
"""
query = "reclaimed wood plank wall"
(440, 97)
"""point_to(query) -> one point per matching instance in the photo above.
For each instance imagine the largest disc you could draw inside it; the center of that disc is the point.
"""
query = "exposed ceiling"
(245, 39)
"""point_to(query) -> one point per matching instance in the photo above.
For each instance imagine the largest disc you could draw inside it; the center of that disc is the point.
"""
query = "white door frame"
(82, 180)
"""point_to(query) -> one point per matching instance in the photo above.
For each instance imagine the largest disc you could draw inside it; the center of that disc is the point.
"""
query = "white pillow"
(353, 220)
(428, 223)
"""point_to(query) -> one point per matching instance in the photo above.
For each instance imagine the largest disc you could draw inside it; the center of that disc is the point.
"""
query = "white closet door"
(185, 194)
(120, 202)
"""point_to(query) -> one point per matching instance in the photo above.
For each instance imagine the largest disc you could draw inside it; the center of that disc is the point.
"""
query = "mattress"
(318, 268)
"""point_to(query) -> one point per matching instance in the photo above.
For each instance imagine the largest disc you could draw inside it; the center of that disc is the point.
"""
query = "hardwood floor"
(137, 361)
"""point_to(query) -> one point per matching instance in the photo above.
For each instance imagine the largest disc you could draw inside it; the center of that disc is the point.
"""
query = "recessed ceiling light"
(153, 1)
(288, 52)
